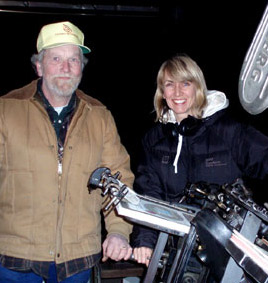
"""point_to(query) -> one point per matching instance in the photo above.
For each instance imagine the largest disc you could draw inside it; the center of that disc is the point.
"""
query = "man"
(52, 136)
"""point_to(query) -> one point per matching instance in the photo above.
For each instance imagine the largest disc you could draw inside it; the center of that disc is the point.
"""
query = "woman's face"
(180, 96)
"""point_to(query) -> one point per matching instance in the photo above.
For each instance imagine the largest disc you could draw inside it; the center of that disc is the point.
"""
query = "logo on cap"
(67, 29)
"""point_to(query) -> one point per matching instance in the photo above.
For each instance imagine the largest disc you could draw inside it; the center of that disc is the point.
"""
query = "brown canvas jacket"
(46, 216)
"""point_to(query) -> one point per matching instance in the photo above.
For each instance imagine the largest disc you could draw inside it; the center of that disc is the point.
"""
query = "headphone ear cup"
(189, 126)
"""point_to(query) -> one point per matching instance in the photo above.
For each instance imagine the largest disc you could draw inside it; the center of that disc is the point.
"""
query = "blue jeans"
(10, 276)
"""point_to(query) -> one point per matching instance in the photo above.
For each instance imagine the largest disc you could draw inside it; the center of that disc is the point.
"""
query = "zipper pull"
(59, 168)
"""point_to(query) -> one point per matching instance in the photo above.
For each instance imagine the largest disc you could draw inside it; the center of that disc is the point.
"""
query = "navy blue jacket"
(219, 152)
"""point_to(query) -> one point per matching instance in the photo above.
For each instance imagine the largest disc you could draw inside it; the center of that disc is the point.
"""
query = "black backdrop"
(127, 52)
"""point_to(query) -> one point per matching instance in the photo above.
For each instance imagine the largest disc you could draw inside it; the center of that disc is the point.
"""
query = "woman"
(193, 140)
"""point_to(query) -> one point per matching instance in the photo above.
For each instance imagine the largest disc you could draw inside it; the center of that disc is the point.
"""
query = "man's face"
(61, 70)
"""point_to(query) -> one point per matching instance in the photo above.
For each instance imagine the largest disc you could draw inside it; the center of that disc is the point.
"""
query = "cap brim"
(84, 49)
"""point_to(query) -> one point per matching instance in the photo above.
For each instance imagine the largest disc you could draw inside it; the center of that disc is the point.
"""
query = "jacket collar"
(29, 91)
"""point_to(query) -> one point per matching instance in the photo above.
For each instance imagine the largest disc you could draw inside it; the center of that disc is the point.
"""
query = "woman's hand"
(143, 255)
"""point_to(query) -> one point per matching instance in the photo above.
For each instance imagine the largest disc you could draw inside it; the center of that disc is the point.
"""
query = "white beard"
(62, 89)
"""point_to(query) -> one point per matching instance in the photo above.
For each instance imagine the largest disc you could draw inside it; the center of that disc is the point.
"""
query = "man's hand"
(143, 255)
(116, 247)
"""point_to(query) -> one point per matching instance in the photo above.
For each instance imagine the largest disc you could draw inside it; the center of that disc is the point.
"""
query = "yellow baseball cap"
(58, 34)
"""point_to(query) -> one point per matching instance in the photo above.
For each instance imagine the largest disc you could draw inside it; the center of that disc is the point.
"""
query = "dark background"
(129, 41)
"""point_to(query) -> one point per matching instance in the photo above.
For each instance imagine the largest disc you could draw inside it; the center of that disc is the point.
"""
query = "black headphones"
(187, 127)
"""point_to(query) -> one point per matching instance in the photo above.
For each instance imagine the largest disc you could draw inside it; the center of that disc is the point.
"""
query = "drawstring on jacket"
(175, 163)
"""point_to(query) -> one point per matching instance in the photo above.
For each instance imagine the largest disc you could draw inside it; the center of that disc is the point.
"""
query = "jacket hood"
(216, 101)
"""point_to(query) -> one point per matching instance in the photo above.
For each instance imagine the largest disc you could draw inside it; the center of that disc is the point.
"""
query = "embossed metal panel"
(253, 80)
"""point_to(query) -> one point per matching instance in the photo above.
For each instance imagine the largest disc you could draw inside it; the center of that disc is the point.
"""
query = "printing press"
(225, 230)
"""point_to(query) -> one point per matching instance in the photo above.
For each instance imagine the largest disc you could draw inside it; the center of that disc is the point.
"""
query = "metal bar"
(158, 251)
(183, 256)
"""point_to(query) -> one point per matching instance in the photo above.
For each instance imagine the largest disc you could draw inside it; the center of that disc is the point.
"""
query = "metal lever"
(110, 184)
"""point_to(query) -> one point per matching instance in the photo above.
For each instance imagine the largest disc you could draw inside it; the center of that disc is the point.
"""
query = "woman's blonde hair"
(180, 68)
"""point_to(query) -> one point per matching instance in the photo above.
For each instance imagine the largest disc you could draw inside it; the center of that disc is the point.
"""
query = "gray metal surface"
(233, 272)
(253, 80)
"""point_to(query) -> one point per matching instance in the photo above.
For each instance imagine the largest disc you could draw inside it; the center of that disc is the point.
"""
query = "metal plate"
(253, 80)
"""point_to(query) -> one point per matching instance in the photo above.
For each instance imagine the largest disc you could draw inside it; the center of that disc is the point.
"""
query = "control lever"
(110, 184)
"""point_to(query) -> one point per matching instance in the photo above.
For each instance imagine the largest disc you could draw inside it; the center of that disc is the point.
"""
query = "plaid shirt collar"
(60, 122)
